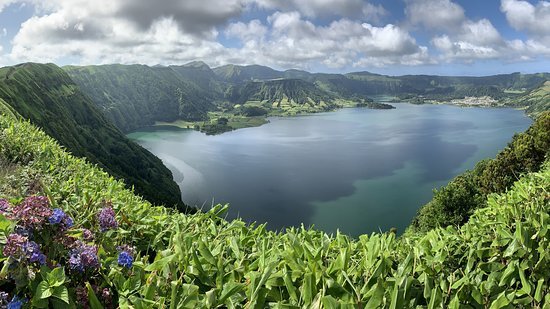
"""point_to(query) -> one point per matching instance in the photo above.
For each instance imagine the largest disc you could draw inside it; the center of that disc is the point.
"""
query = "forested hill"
(134, 96)
(46, 95)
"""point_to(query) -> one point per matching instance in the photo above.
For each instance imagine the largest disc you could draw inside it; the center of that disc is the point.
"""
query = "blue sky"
(391, 37)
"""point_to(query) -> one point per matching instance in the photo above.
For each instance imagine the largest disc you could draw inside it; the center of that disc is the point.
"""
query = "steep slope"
(537, 100)
(454, 203)
(47, 96)
(135, 96)
(496, 260)
(275, 91)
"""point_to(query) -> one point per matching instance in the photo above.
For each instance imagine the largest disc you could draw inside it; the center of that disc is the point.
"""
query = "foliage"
(454, 203)
(48, 97)
(498, 259)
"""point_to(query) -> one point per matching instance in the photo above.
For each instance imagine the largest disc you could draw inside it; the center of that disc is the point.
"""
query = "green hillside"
(142, 256)
(536, 100)
(194, 95)
(137, 95)
(47, 96)
(454, 203)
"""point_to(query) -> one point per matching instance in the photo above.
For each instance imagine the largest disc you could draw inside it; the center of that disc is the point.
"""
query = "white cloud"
(320, 8)
(292, 41)
(4, 32)
(434, 14)
(524, 16)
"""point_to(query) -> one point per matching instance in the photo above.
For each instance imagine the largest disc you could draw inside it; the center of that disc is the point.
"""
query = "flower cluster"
(32, 212)
(125, 259)
(107, 220)
(83, 257)
(87, 235)
(16, 303)
(20, 248)
(4, 206)
(60, 217)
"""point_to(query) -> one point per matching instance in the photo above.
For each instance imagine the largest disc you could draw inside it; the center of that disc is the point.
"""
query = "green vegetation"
(136, 96)
(454, 203)
(498, 259)
(48, 97)
(536, 100)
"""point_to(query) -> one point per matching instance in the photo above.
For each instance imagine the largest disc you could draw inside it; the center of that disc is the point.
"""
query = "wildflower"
(83, 257)
(56, 216)
(16, 303)
(125, 259)
(21, 230)
(60, 217)
(32, 212)
(32, 252)
(4, 206)
(13, 245)
(107, 219)
(87, 235)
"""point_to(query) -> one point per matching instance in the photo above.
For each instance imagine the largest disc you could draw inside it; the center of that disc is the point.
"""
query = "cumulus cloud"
(4, 32)
(293, 41)
(323, 8)
(434, 14)
(524, 16)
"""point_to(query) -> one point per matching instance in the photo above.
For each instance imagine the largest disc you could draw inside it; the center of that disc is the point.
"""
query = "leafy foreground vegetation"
(92, 243)
(454, 203)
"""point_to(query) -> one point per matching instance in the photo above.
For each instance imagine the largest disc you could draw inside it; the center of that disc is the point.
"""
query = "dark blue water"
(357, 170)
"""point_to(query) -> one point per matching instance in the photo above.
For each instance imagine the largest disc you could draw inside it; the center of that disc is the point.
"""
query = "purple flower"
(107, 296)
(60, 217)
(125, 259)
(16, 303)
(4, 206)
(19, 247)
(33, 253)
(87, 235)
(33, 212)
(107, 219)
(57, 216)
(83, 257)
(13, 245)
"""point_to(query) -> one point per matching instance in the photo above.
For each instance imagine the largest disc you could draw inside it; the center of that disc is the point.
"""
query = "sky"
(396, 37)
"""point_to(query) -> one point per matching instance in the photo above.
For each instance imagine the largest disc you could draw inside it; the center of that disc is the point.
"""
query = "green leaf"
(61, 293)
(330, 302)
(229, 290)
(206, 254)
(160, 264)
(56, 277)
(5, 224)
(538, 291)
(43, 290)
(500, 302)
(92, 298)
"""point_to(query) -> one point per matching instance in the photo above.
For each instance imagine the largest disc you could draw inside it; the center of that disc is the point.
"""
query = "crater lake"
(357, 170)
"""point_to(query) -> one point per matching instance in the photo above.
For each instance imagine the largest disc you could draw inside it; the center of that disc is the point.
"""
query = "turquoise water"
(357, 170)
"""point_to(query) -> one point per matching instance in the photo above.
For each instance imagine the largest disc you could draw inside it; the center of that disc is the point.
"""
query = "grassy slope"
(47, 96)
(498, 259)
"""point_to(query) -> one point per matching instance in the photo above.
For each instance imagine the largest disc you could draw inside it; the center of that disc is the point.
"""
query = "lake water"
(357, 170)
